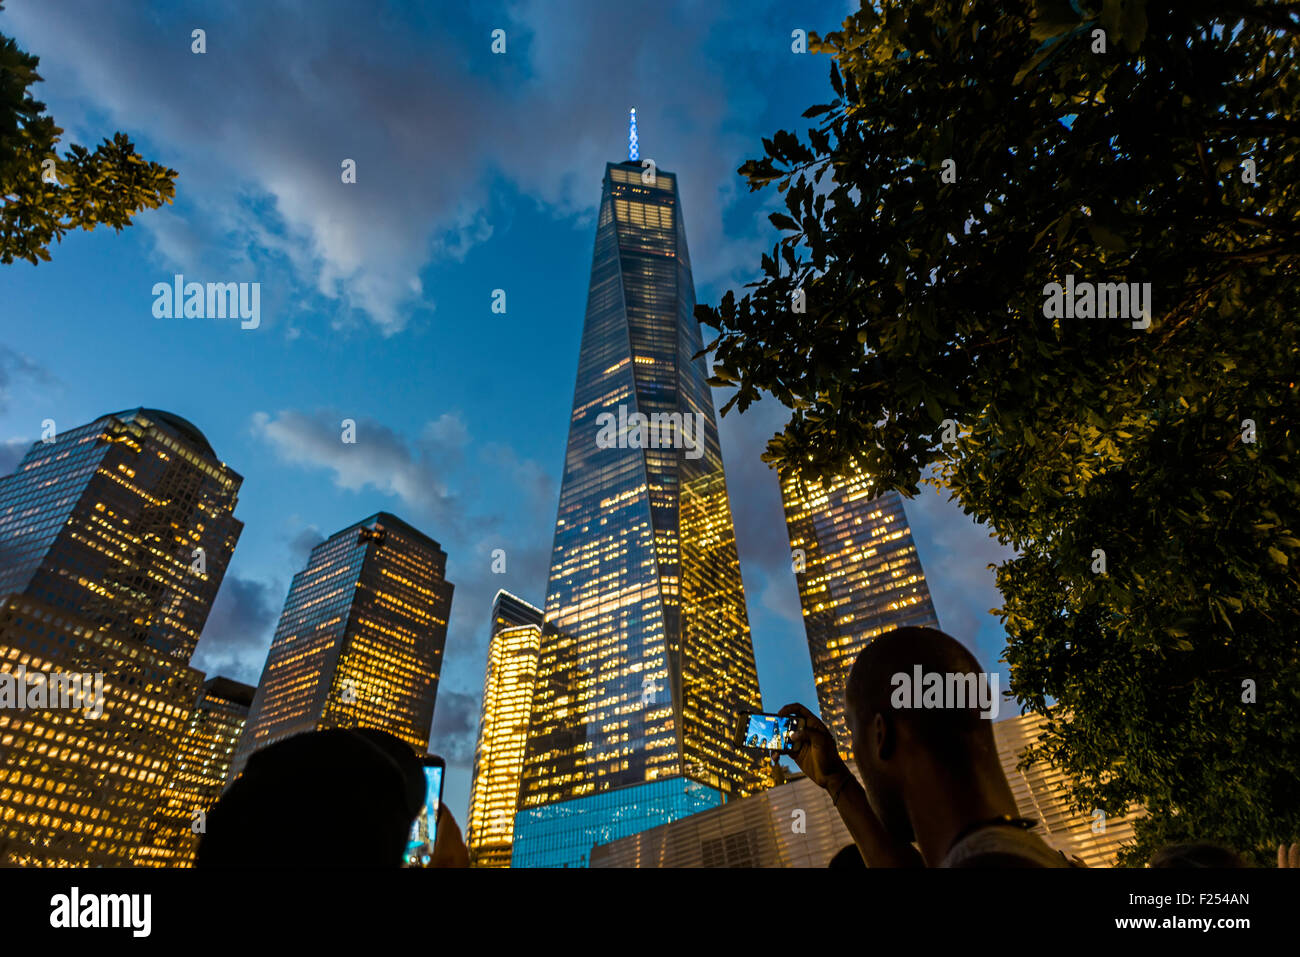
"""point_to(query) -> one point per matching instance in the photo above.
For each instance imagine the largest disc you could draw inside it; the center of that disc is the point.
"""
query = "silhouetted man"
(343, 797)
(932, 774)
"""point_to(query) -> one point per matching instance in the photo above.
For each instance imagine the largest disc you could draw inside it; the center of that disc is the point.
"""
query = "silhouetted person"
(344, 797)
(1196, 854)
(932, 774)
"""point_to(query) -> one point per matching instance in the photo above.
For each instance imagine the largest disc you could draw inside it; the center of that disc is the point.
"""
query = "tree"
(1133, 142)
(43, 195)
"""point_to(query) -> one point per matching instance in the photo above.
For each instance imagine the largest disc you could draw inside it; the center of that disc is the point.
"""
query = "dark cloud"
(455, 727)
(420, 473)
(955, 552)
(379, 459)
(779, 595)
(526, 562)
(761, 536)
(301, 544)
(17, 370)
(239, 629)
(470, 569)
(537, 485)
(11, 453)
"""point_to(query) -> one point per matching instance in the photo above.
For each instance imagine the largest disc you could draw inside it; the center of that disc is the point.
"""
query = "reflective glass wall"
(859, 576)
(646, 654)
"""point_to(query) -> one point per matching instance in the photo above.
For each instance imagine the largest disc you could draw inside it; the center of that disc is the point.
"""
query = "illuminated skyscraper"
(114, 537)
(360, 640)
(1042, 793)
(646, 656)
(79, 786)
(198, 773)
(128, 522)
(859, 576)
(503, 729)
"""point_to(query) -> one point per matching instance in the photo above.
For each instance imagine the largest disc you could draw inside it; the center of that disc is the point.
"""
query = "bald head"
(918, 709)
(873, 687)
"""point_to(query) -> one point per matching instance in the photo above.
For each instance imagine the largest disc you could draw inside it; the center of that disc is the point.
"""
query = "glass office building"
(198, 773)
(645, 657)
(503, 729)
(360, 640)
(757, 831)
(128, 522)
(858, 574)
(81, 779)
(564, 834)
(114, 538)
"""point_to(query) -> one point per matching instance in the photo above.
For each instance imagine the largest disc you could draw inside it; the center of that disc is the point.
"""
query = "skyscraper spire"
(645, 657)
(632, 153)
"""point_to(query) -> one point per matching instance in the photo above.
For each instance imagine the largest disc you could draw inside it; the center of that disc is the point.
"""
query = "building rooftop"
(184, 427)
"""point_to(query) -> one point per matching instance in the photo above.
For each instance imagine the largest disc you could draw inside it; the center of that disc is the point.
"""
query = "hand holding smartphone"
(424, 830)
(767, 733)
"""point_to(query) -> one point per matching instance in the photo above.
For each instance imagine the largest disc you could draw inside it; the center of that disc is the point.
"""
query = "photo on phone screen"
(769, 732)
(424, 831)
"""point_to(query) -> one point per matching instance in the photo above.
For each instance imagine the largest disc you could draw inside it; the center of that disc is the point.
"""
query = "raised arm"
(819, 758)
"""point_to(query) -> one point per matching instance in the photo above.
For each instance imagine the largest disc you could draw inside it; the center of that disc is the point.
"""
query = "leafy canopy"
(925, 303)
(106, 187)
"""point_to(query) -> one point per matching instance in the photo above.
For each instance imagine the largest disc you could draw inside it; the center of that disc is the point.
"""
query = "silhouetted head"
(344, 797)
(889, 742)
(1196, 854)
(848, 858)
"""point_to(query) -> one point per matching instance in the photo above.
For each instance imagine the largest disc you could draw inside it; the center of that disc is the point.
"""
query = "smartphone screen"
(424, 831)
(768, 732)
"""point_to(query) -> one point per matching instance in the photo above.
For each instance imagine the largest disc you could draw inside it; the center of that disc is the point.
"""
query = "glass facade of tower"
(564, 834)
(645, 655)
(128, 522)
(79, 786)
(503, 729)
(859, 576)
(360, 639)
(755, 831)
(198, 774)
(114, 538)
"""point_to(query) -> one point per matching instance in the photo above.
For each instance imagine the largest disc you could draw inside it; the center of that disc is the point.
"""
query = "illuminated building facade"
(114, 538)
(360, 639)
(198, 773)
(1042, 792)
(791, 825)
(646, 656)
(503, 729)
(128, 522)
(76, 788)
(859, 576)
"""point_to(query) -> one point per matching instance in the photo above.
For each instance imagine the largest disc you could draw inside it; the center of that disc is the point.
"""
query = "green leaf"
(782, 221)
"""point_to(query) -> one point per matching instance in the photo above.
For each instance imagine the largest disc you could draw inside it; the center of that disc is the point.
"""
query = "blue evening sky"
(475, 171)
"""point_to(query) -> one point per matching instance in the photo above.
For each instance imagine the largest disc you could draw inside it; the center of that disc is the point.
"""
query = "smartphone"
(768, 733)
(424, 831)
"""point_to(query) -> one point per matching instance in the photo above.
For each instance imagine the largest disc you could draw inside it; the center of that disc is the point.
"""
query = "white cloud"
(379, 459)
(260, 124)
